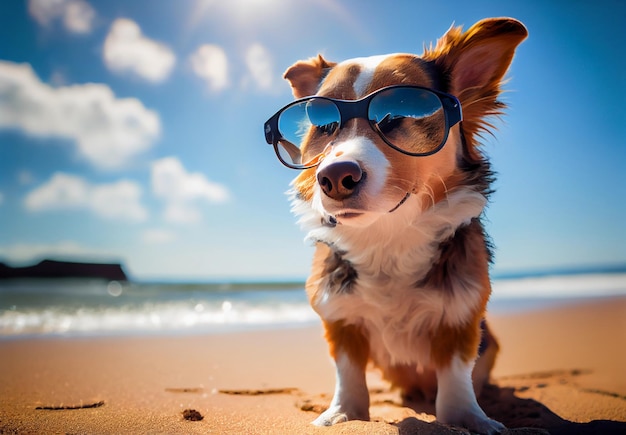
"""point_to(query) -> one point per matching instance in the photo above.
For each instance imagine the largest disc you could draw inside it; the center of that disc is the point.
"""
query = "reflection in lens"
(404, 102)
(323, 114)
(408, 118)
(289, 153)
(295, 123)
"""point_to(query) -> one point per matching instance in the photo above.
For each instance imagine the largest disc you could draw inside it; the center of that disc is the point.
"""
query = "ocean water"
(79, 307)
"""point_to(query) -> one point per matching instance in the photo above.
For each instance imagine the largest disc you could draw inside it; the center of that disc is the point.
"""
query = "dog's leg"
(487, 354)
(351, 399)
(456, 402)
(350, 351)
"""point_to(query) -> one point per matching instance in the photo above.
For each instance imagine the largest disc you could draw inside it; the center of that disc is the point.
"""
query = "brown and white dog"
(400, 275)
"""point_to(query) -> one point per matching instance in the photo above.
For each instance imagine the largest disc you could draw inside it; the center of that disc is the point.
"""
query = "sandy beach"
(561, 370)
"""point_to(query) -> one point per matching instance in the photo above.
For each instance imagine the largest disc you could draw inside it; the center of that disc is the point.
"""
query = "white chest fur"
(390, 259)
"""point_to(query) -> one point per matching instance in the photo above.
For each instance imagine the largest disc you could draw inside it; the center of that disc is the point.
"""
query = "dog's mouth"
(343, 216)
(348, 214)
(353, 214)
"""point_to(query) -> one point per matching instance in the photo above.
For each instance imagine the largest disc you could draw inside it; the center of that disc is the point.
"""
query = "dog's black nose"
(340, 179)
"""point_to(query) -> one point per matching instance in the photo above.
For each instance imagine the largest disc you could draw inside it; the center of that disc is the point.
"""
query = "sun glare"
(252, 16)
(237, 12)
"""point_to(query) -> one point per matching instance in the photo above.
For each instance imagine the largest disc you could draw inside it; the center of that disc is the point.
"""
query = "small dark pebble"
(192, 415)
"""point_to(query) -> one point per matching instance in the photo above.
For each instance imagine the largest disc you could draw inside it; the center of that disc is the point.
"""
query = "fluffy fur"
(400, 273)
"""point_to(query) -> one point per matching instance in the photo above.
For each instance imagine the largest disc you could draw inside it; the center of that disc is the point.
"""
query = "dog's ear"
(306, 75)
(474, 63)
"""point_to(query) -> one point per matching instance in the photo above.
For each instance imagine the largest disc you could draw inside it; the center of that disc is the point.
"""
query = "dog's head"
(372, 135)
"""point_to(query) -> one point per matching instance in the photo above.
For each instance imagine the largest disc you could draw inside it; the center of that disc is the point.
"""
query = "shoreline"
(94, 322)
(560, 368)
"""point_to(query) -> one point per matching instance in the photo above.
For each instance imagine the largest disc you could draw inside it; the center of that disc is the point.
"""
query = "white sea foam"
(53, 308)
(168, 317)
(561, 286)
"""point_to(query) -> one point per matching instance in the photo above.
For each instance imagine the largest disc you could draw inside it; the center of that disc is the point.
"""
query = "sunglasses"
(410, 119)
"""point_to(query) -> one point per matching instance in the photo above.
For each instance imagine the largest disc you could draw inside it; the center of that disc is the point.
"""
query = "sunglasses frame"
(350, 109)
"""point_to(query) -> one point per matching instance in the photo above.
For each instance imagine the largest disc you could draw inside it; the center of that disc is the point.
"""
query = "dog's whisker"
(443, 183)
(430, 193)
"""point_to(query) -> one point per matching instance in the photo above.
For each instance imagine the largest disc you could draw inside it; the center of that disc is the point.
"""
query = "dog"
(391, 190)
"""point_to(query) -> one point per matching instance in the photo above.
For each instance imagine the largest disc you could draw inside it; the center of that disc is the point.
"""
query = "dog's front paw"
(335, 414)
(476, 422)
(456, 402)
(486, 426)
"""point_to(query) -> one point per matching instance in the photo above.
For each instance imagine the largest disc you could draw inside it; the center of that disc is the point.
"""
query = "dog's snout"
(339, 180)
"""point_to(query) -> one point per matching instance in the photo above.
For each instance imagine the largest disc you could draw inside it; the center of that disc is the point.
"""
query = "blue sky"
(132, 131)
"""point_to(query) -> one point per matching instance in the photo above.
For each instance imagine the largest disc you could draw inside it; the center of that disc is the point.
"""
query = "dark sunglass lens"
(288, 153)
(293, 123)
(411, 119)
(302, 125)
(323, 115)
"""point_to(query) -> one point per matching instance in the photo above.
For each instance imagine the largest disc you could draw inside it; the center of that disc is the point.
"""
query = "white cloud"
(210, 63)
(77, 15)
(126, 49)
(107, 130)
(259, 65)
(119, 200)
(156, 236)
(182, 190)
(62, 191)
(182, 213)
